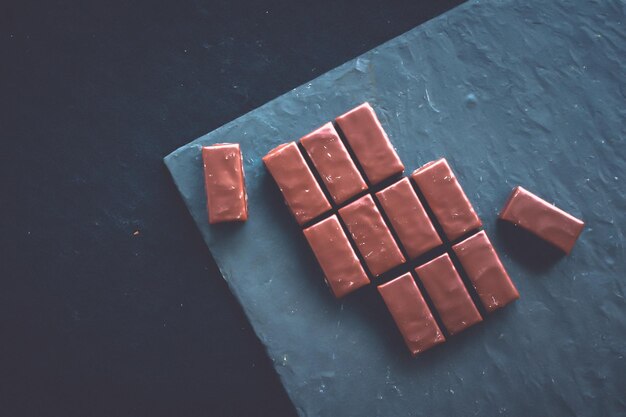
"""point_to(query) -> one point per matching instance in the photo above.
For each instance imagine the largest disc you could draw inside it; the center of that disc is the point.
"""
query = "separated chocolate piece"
(333, 163)
(371, 235)
(448, 293)
(343, 270)
(484, 269)
(550, 223)
(408, 218)
(370, 143)
(411, 314)
(301, 191)
(224, 183)
(446, 198)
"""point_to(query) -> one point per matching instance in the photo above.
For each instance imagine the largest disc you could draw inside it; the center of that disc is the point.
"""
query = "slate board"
(511, 92)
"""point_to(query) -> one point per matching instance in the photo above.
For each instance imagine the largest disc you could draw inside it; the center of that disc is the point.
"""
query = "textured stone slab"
(512, 93)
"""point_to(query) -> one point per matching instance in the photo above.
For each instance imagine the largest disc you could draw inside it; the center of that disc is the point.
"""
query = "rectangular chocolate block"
(411, 314)
(371, 235)
(333, 163)
(446, 198)
(301, 191)
(526, 210)
(370, 143)
(224, 183)
(342, 269)
(408, 218)
(484, 269)
(448, 293)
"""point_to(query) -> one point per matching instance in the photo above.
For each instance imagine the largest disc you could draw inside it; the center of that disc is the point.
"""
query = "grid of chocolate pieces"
(365, 223)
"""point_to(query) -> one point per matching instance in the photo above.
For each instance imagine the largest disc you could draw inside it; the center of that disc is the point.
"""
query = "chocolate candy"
(349, 259)
(301, 191)
(408, 218)
(484, 269)
(448, 293)
(332, 249)
(526, 210)
(411, 314)
(371, 235)
(333, 163)
(370, 143)
(224, 183)
(446, 198)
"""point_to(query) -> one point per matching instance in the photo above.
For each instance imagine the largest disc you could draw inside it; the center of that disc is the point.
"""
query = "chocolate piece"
(333, 162)
(411, 313)
(224, 183)
(536, 215)
(446, 198)
(484, 269)
(301, 191)
(408, 218)
(447, 291)
(371, 235)
(370, 143)
(343, 270)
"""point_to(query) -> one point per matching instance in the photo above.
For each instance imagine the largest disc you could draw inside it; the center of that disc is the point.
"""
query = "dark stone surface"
(511, 92)
(95, 321)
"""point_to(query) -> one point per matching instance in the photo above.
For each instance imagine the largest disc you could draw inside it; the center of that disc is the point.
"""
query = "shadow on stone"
(369, 305)
(531, 251)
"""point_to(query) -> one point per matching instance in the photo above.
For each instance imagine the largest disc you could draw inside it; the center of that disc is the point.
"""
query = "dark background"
(110, 303)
